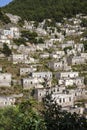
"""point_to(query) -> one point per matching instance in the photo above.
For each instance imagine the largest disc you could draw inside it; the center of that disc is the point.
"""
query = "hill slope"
(3, 18)
(41, 9)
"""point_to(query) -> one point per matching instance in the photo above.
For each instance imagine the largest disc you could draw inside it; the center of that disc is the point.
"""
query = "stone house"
(44, 56)
(5, 79)
(70, 32)
(60, 53)
(41, 47)
(71, 52)
(12, 32)
(16, 32)
(26, 71)
(75, 109)
(64, 45)
(19, 58)
(58, 94)
(28, 83)
(2, 36)
(79, 81)
(84, 55)
(56, 89)
(28, 25)
(76, 60)
(45, 75)
(22, 58)
(70, 42)
(54, 56)
(26, 49)
(63, 75)
(40, 93)
(8, 41)
(78, 93)
(64, 100)
(41, 32)
(15, 47)
(21, 48)
(8, 33)
(7, 101)
(49, 43)
(55, 65)
(67, 68)
(79, 47)
(60, 39)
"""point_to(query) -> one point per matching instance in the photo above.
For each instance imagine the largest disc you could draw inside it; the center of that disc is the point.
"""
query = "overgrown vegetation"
(6, 50)
(38, 10)
(58, 119)
(84, 23)
(22, 117)
(29, 36)
(85, 46)
(3, 18)
(26, 116)
(67, 48)
(19, 41)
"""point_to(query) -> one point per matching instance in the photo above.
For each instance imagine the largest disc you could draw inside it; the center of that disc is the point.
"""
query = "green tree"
(4, 18)
(67, 48)
(21, 117)
(31, 119)
(29, 36)
(52, 113)
(85, 80)
(85, 45)
(58, 119)
(19, 41)
(6, 50)
(40, 40)
(21, 22)
(84, 23)
(38, 10)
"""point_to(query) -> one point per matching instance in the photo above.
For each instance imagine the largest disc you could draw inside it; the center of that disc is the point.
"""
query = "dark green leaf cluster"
(19, 41)
(6, 50)
(21, 22)
(26, 117)
(29, 36)
(58, 119)
(40, 40)
(84, 23)
(85, 46)
(22, 117)
(67, 48)
(3, 18)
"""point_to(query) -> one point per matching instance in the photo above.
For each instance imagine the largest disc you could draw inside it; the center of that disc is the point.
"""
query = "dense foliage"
(22, 117)
(67, 48)
(26, 116)
(6, 50)
(19, 41)
(84, 23)
(41, 9)
(58, 119)
(3, 18)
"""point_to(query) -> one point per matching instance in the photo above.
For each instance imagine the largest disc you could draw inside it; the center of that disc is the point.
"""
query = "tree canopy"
(6, 50)
(3, 18)
(38, 10)
(58, 119)
(26, 116)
